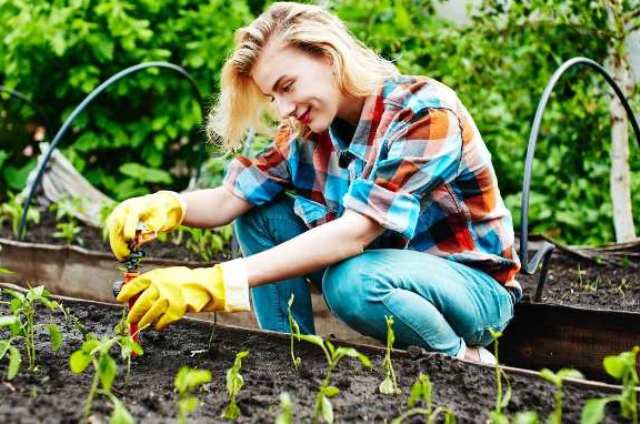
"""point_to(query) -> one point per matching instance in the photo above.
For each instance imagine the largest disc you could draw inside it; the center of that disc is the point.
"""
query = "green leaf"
(310, 338)
(55, 336)
(145, 174)
(527, 417)
(188, 404)
(4, 347)
(14, 362)
(189, 379)
(107, 370)
(327, 409)
(593, 411)
(79, 361)
(386, 387)
(353, 353)
(120, 415)
(331, 391)
(498, 418)
(615, 366)
(7, 320)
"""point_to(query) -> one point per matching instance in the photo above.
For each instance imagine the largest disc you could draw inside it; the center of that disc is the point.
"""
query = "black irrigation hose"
(87, 100)
(544, 253)
(18, 95)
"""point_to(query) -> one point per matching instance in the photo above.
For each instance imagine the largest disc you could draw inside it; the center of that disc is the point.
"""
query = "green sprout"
(68, 232)
(497, 416)
(293, 325)
(12, 211)
(234, 385)
(67, 207)
(389, 385)
(323, 409)
(205, 242)
(286, 409)
(22, 324)
(422, 391)
(622, 367)
(557, 379)
(96, 352)
(186, 382)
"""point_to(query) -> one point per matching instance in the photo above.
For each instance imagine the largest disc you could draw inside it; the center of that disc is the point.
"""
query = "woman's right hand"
(157, 212)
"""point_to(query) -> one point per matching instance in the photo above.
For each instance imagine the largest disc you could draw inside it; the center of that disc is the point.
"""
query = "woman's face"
(301, 86)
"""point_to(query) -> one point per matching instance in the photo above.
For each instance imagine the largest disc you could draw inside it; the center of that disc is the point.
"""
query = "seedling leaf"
(527, 417)
(386, 387)
(107, 370)
(188, 404)
(4, 347)
(352, 353)
(79, 361)
(593, 411)
(331, 391)
(120, 415)
(615, 365)
(327, 409)
(55, 336)
(14, 362)
(286, 409)
(8, 320)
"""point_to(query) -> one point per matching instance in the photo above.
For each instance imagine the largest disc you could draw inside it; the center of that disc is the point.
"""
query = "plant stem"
(92, 392)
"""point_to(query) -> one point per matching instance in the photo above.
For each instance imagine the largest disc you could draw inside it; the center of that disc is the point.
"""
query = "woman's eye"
(288, 88)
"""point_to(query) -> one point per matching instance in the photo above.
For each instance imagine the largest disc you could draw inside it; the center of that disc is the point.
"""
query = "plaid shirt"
(419, 168)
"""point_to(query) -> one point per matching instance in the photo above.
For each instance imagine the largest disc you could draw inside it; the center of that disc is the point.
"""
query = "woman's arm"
(313, 250)
(210, 208)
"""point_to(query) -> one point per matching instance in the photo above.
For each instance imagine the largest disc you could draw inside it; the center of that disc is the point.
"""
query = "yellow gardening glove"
(158, 212)
(166, 294)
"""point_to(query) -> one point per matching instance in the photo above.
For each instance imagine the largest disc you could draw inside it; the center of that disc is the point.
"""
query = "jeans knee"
(342, 290)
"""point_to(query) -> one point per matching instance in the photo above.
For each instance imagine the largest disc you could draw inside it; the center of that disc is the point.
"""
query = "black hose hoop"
(545, 251)
(22, 97)
(87, 100)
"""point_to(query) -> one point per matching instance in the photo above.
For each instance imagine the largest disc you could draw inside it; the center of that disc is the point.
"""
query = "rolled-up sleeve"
(422, 153)
(261, 179)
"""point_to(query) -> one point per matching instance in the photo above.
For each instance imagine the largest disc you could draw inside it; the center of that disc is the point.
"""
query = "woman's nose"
(285, 108)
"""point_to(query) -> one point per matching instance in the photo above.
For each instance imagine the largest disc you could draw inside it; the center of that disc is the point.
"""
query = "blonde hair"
(240, 105)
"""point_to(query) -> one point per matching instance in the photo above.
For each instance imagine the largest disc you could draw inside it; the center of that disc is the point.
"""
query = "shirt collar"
(364, 134)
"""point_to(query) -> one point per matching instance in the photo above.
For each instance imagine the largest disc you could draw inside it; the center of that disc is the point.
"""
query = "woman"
(395, 207)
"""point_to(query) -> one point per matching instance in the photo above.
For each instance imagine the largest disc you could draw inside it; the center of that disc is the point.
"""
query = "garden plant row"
(73, 361)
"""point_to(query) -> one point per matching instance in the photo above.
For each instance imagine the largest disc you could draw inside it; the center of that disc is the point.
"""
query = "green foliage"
(67, 226)
(12, 209)
(389, 385)
(323, 410)
(97, 352)
(622, 367)
(557, 379)
(421, 393)
(234, 385)
(23, 324)
(186, 382)
(286, 409)
(148, 120)
(205, 242)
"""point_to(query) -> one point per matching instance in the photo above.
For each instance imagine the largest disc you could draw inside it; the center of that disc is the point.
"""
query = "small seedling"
(622, 367)
(557, 380)
(421, 391)
(286, 409)
(204, 242)
(234, 385)
(323, 408)
(12, 211)
(497, 416)
(22, 324)
(186, 382)
(68, 232)
(389, 385)
(293, 326)
(97, 353)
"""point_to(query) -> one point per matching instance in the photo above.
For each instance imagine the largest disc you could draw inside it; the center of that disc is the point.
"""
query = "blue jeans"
(437, 304)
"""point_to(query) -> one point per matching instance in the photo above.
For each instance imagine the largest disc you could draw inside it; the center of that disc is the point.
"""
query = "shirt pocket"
(311, 212)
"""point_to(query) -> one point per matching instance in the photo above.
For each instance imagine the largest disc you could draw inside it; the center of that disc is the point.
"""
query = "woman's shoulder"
(417, 92)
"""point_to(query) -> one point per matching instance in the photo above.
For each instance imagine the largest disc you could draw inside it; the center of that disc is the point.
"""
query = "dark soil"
(579, 282)
(55, 395)
(91, 238)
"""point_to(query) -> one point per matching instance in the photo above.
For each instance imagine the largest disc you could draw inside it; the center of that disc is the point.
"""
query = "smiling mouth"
(305, 118)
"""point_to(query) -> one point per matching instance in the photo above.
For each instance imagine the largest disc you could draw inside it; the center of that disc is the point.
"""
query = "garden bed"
(54, 394)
